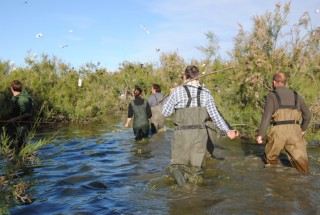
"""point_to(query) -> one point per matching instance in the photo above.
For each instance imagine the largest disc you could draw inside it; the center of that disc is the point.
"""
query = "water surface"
(100, 169)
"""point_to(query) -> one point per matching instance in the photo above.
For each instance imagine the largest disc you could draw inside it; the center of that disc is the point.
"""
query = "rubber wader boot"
(177, 174)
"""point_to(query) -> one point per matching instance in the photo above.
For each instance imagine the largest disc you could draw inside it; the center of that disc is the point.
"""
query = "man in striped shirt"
(193, 106)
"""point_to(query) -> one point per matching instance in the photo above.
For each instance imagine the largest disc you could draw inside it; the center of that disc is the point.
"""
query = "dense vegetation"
(271, 45)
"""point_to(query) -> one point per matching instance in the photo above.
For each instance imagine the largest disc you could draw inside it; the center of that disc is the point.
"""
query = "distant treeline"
(271, 46)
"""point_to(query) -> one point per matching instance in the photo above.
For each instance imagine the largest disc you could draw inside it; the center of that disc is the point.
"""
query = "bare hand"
(259, 140)
(233, 134)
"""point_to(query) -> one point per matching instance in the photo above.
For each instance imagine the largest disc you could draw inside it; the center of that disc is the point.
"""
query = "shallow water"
(99, 169)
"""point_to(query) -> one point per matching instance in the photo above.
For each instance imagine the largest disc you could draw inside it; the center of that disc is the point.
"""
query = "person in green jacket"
(19, 123)
(140, 110)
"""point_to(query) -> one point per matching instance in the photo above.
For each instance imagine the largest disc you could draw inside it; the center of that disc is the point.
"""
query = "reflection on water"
(99, 169)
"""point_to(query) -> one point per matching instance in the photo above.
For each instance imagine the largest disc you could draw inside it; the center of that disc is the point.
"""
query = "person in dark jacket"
(140, 110)
(290, 117)
(20, 122)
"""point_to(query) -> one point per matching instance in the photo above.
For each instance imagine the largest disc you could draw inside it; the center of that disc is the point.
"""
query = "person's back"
(155, 99)
(285, 108)
(140, 111)
(157, 120)
(20, 123)
(140, 120)
(193, 106)
(22, 104)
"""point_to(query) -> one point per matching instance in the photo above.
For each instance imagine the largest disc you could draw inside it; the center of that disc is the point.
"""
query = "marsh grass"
(271, 45)
(16, 189)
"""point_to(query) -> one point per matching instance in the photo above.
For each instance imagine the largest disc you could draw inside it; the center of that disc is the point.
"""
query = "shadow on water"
(100, 169)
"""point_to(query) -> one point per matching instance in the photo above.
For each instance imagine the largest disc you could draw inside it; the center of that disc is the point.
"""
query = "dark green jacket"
(22, 104)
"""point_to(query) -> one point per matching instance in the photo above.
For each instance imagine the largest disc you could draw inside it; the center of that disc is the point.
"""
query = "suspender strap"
(189, 96)
(277, 97)
(198, 96)
(286, 122)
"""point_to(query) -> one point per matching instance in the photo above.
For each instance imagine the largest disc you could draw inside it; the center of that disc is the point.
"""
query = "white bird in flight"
(318, 10)
(63, 46)
(70, 31)
(39, 35)
(145, 29)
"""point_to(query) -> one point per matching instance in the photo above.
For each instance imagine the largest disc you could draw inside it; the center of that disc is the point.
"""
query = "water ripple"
(102, 170)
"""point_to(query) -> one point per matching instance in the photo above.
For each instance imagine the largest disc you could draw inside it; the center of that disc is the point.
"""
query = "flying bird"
(70, 31)
(39, 35)
(145, 29)
(63, 46)
(157, 50)
(318, 10)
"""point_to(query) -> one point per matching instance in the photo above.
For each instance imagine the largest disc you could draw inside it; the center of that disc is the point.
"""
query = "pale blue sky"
(110, 32)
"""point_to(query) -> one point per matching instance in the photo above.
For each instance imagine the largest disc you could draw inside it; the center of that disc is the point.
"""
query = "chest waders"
(286, 134)
(189, 141)
(157, 120)
(140, 120)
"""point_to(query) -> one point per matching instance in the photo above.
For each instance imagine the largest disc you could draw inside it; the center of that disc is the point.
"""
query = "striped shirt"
(179, 98)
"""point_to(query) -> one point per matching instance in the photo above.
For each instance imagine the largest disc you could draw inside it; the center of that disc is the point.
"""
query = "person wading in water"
(193, 106)
(284, 108)
(157, 120)
(20, 122)
(139, 109)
